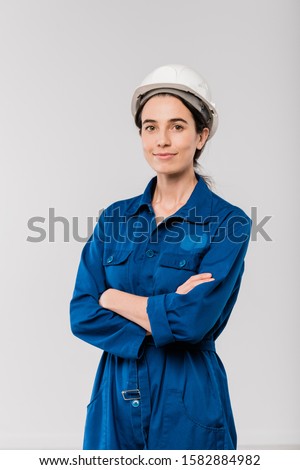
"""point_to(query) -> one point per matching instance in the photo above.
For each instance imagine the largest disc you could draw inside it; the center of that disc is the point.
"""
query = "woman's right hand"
(194, 281)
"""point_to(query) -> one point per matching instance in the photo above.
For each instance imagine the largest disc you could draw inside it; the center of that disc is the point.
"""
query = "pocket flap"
(113, 257)
(180, 261)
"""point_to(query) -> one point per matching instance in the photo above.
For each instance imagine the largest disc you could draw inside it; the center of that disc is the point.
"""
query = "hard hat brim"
(142, 90)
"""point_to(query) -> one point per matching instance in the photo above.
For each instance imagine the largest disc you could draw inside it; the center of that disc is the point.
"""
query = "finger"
(201, 276)
(194, 280)
(205, 280)
(201, 281)
(188, 286)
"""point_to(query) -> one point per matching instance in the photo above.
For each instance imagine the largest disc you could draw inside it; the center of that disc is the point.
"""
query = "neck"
(173, 190)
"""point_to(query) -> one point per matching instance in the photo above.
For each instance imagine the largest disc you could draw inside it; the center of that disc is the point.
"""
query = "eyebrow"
(170, 120)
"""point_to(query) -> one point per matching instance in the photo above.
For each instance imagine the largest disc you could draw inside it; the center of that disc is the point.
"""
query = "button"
(149, 253)
(109, 259)
(135, 403)
(182, 263)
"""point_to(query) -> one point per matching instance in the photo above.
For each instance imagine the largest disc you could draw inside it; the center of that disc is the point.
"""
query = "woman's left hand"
(194, 281)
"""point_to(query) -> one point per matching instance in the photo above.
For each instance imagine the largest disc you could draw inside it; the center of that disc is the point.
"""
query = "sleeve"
(92, 323)
(189, 317)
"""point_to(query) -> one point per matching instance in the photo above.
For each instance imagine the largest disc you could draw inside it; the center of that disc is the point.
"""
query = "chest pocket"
(174, 269)
(116, 266)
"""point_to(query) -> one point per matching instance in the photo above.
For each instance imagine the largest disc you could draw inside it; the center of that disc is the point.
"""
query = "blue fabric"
(183, 400)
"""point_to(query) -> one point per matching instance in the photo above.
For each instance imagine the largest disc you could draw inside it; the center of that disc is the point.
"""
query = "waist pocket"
(181, 429)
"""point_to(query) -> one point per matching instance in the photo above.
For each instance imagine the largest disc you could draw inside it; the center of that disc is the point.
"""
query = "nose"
(163, 138)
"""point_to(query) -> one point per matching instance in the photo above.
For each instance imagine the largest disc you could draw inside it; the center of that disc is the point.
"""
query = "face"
(169, 135)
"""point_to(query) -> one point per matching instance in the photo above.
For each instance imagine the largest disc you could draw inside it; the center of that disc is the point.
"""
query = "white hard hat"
(184, 82)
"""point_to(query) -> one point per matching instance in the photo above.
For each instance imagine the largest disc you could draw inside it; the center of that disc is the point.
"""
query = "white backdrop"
(69, 146)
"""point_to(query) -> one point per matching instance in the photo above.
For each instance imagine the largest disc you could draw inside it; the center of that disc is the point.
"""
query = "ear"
(203, 138)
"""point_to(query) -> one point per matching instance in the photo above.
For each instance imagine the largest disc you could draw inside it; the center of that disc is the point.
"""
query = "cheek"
(186, 143)
(147, 143)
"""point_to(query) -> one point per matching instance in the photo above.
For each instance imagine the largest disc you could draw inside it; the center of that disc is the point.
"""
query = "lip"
(164, 156)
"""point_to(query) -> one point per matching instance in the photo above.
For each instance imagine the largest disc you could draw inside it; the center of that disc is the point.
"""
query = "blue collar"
(196, 209)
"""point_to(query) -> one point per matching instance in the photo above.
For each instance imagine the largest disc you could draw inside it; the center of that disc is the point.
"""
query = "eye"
(149, 128)
(178, 127)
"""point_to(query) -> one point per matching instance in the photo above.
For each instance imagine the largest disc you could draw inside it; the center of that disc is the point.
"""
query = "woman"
(157, 282)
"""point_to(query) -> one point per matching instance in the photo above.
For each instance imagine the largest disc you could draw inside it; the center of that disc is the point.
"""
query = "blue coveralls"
(168, 390)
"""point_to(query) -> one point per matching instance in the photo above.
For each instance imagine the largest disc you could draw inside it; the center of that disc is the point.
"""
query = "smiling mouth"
(164, 155)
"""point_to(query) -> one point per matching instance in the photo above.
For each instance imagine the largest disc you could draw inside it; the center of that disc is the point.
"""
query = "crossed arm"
(134, 307)
(117, 321)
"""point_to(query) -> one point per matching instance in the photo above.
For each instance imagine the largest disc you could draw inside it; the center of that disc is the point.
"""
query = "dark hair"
(200, 124)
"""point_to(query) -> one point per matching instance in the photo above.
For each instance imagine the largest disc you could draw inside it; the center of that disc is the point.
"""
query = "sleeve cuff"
(120, 346)
(161, 331)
